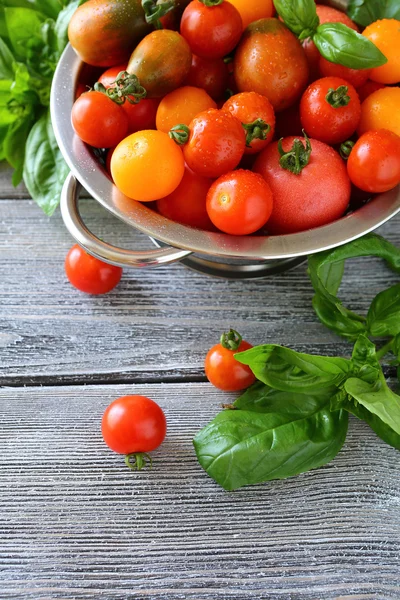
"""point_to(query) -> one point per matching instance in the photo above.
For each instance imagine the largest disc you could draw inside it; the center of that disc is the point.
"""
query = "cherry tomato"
(252, 10)
(270, 60)
(368, 88)
(330, 110)
(374, 162)
(221, 367)
(256, 114)
(211, 31)
(187, 204)
(385, 34)
(315, 195)
(239, 202)
(357, 77)
(133, 424)
(99, 121)
(216, 143)
(108, 77)
(210, 74)
(89, 274)
(181, 106)
(147, 165)
(381, 111)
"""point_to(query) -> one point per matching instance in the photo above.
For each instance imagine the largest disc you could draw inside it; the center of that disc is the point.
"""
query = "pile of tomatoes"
(219, 116)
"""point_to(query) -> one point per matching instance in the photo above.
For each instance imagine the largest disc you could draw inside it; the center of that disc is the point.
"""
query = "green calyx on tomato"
(126, 87)
(345, 149)
(180, 134)
(339, 97)
(297, 157)
(211, 2)
(231, 340)
(257, 130)
(154, 12)
(136, 461)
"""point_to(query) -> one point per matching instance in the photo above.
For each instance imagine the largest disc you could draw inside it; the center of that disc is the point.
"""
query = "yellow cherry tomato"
(252, 10)
(381, 110)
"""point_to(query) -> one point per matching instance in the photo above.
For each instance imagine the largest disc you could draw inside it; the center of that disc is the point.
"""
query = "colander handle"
(106, 252)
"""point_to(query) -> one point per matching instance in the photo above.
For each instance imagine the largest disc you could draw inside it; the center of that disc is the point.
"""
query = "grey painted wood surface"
(76, 523)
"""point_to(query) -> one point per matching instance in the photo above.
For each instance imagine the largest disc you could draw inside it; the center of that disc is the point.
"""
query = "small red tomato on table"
(222, 370)
(89, 274)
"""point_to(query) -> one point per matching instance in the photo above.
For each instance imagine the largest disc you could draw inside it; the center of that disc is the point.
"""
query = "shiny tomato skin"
(247, 107)
(324, 122)
(380, 110)
(89, 274)
(270, 60)
(99, 121)
(216, 143)
(374, 162)
(209, 74)
(240, 202)
(133, 424)
(357, 77)
(385, 34)
(224, 372)
(181, 106)
(318, 196)
(211, 31)
(187, 204)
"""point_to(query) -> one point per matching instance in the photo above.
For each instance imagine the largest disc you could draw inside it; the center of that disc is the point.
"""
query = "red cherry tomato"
(110, 75)
(317, 195)
(357, 77)
(239, 202)
(374, 162)
(133, 424)
(210, 74)
(251, 108)
(211, 31)
(221, 367)
(99, 121)
(216, 143)
(187, 204)
(89, 274)
(330, 110)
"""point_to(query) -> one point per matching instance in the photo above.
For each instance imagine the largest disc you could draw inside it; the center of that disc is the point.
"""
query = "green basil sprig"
(365, 12)
(301, 17)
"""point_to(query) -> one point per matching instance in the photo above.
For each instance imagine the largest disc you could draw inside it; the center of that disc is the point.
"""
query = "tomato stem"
(297, 157)
(211, 2)
(153, 12)
(339, 97)
(231, 340)
(180, 134)
(139, 460)
(125, 87)
(346, 148)
(257, 130)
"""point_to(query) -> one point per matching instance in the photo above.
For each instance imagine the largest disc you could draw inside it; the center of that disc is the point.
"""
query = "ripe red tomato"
(99, 121)
(330, 110)
(133, 424)
(89, 274)
(210, 74)
(318, 194)
(211, 31)
(222, 370)
(187, 204)
(216, 143)
(374, 162)
(256, 114)
(239, 202)
(357, 77)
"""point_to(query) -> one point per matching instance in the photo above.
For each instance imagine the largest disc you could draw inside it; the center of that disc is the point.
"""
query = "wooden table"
(75, 523)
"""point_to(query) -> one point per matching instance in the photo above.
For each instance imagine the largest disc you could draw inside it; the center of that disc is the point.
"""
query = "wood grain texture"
(157, 324)
(76, 523)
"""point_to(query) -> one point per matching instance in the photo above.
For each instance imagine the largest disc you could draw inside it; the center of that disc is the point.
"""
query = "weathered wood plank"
(76, 523)
(157, 324)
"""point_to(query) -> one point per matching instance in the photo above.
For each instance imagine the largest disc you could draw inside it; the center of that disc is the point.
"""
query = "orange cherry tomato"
(147, 165)
(89, 274)
(250, 108)
(187, 204)
(252, 10)
(181, 106)
(381, 111)
(385, 34)
(221, 367)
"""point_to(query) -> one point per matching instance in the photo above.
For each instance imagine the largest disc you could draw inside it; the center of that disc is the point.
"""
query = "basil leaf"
(6, 62)
(383, 318)
(287, 370)
(62, 22)
(24, 29)
(365, 12)
(344, 46)
(364, 360)
(44, 169)
(349, 326)
(377, 398)
(293, 433)
(14, 143)
(300, 16)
